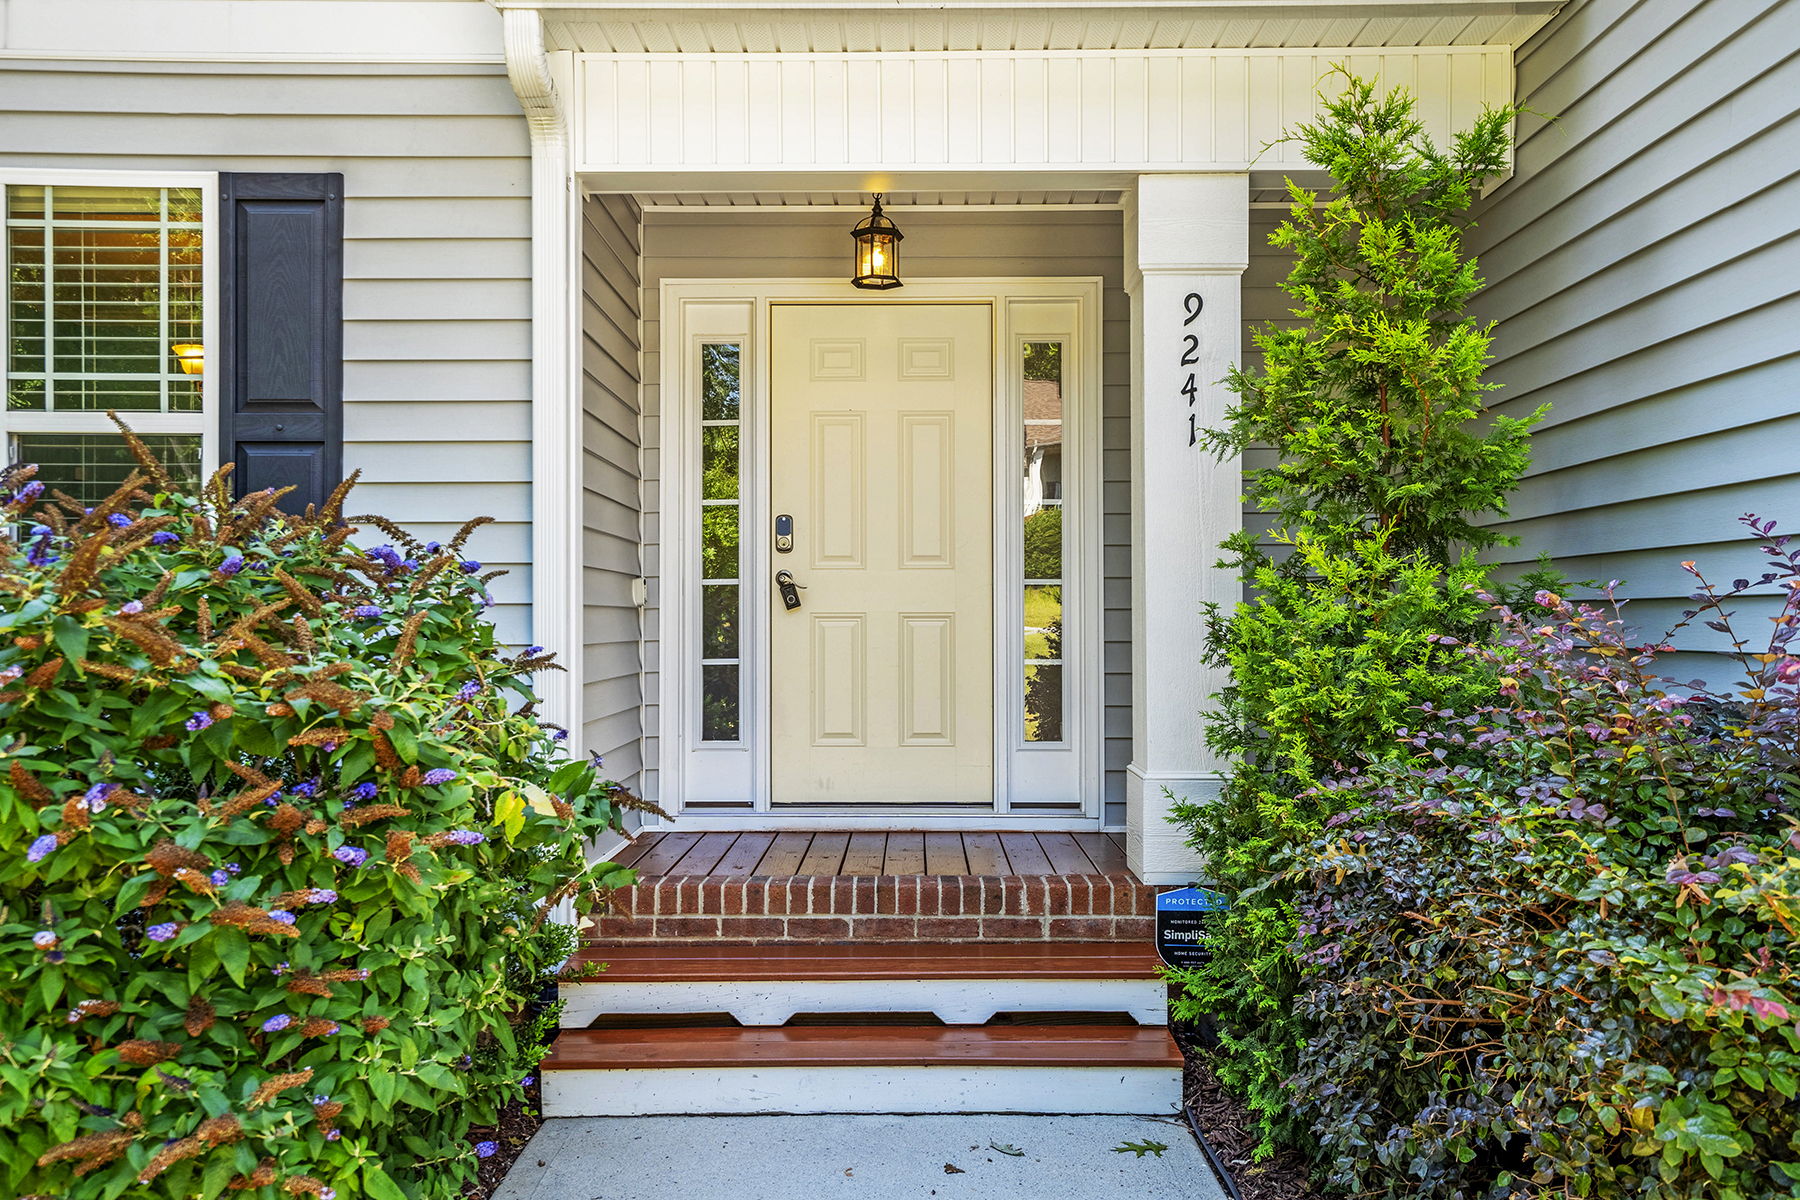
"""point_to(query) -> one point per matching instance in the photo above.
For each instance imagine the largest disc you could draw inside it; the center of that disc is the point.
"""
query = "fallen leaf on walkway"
(952, 1169)
(1003, 1148)
(1141, 1148)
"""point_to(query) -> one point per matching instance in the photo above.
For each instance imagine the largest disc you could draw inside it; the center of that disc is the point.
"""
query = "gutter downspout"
(556, 441)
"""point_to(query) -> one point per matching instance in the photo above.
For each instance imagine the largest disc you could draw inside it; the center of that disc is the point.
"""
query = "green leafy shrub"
(280, 833)
(1552, 954)
(1386, 464)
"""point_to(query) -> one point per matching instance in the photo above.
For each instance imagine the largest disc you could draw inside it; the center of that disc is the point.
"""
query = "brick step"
(967, 984)
(883, 908)
(875, 1068)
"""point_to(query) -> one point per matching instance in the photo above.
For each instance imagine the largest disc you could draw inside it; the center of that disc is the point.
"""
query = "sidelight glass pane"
(1043, 621)
(1043, 702)
(90, 467)
(719, 703)
(719, 620)
(719, 462)
(1041, 480)
(721, 527)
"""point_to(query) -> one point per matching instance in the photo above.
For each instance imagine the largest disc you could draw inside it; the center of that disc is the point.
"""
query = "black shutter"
(281, 364)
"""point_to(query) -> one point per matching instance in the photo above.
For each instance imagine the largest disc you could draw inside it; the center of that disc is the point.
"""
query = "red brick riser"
(882, 908)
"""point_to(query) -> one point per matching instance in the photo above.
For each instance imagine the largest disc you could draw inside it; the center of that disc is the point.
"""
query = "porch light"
(877, 250)
(191, 356)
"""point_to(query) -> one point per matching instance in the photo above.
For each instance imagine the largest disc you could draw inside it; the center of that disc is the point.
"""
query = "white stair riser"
(650, 1091)
(953, 1001)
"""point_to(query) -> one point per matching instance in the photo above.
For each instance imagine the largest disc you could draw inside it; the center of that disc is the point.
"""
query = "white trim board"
(954, 1001)
(691, 1091)
(695, 312)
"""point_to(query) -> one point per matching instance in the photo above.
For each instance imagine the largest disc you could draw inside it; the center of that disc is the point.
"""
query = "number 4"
(1188, 389)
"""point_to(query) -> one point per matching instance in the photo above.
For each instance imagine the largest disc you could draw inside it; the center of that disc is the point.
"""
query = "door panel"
(881, 426)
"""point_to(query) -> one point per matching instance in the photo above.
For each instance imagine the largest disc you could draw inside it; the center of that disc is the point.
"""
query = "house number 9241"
(1190, 357)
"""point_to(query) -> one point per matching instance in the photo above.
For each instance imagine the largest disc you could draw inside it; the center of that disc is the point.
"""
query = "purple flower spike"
(470, 566)
(232, 565)
(163, 932)
(437, 775)
(324, 896)
(219, 878)
(199, 721)
(366, 610)
(41, 848)
(132, 607)
(486, 1149)
(28, 493)
(468, 691)
(277, 1023)
(95, 799)
(282, 915)
(465, 837)
(353, 856)
(164, 537)
(365, 791)
(43, 939)
(118, 520)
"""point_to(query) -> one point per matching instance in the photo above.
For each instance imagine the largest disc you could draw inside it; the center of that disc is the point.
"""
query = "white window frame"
(204, 422)
(1027, 775)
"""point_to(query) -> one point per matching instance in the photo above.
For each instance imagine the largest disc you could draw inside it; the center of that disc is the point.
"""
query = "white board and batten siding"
(642, 116)
(1644, 265)
(612, 692)
(437, 252)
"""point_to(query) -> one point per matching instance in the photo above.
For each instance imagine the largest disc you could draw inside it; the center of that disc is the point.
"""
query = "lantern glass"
(877, 251)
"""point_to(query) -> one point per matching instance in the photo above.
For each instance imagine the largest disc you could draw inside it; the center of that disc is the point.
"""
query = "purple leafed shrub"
(1557, 956)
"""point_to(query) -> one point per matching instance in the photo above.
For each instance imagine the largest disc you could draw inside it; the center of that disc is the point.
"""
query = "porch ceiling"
(893, 200)
(833, 26)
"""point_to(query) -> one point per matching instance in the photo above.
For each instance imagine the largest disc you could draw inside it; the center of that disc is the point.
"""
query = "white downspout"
(556, 434)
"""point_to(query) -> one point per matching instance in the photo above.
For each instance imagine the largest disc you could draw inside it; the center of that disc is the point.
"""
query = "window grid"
(1043, 541)
(721, 527)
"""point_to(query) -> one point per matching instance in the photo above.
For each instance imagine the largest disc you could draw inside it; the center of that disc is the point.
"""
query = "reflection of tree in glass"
(1043, 544)
(719, 383)
(719, 462)
(1044, 693)
(1043, 360)
(719, 704)
(719, 542)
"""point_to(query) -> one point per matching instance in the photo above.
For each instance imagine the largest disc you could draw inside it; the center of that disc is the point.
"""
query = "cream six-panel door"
(880, 449)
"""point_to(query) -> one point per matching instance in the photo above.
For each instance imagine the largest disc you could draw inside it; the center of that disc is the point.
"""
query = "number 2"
(1191, 354)
(1193, 303)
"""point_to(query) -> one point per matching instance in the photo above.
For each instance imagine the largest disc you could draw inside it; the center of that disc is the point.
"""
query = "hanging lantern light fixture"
(877, 250)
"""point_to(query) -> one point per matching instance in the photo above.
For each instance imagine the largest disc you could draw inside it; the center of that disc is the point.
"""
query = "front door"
(881, 427)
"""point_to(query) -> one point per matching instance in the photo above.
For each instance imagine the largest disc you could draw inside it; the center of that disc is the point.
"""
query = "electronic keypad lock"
(790, 591)
(784, 534)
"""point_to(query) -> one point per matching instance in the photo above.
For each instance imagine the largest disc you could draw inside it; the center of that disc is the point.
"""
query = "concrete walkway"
(871, 1157)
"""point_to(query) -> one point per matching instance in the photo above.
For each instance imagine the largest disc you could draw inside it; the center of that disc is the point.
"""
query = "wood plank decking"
(774, 855)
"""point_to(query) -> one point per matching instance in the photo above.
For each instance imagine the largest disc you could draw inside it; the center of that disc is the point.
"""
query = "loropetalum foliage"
(1380, 480)
(1553, 954)
(278, 834)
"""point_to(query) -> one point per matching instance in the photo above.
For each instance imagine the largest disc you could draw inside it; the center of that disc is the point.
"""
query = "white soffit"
(795, 27)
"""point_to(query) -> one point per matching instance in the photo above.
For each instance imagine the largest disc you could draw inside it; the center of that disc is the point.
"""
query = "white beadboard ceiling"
(795, 28)
(860, 200)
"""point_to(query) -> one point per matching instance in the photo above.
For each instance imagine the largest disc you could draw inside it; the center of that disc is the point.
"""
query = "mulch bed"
(518, 1121)
(1226, 1123)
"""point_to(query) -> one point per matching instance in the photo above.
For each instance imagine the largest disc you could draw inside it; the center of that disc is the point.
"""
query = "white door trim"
(711, 774)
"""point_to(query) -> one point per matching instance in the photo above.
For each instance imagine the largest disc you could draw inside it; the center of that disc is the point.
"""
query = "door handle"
(790, 591)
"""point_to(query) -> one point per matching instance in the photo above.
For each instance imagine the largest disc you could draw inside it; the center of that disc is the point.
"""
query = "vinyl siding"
(1644, 267)
(436, 256)
(801, 245)
(612, 695)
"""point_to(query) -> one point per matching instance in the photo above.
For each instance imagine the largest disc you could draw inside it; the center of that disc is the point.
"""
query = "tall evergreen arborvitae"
(1387, 462)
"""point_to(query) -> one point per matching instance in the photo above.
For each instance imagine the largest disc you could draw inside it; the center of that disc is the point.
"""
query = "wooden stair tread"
(896, 960)
(864, 1046)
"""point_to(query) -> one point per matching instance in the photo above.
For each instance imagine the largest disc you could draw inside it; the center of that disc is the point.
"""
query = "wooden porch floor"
(796, 853)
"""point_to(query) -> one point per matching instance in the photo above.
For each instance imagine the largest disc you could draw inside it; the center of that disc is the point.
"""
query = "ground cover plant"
(279, 830)
(1551, 952)
(1380, 483)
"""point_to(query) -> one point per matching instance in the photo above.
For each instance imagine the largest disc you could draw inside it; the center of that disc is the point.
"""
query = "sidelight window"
(1042, 480)
(721, 524)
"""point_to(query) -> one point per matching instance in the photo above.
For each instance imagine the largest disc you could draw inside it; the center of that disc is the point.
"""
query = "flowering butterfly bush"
(279, 833)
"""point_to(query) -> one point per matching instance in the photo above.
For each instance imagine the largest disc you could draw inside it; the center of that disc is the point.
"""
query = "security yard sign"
(1182, 921)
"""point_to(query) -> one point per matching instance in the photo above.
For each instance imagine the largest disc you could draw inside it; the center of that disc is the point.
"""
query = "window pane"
(719, 462)
(1043, 702)
(719, 620)
(719, 704)
(1043, 621)
(719, 542)
(719, 392)
(91, 466)
(1043, 544)
(102, 282)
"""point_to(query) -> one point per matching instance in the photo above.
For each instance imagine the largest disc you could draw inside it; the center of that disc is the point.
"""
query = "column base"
(1156, 848)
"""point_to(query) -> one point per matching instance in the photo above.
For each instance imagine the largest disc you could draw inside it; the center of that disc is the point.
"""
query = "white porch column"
(1186, 236)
